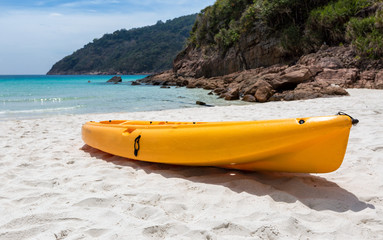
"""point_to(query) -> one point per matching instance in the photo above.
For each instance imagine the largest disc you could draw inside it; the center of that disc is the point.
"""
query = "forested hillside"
(141, 50)
(302, 26)
(234, 35)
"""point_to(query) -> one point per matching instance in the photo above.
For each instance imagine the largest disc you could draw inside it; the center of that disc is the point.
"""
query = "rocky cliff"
(324, 73)
(254, 50)
(287, 51)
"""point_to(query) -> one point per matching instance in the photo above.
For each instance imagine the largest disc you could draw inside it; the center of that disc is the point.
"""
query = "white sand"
(54, 187)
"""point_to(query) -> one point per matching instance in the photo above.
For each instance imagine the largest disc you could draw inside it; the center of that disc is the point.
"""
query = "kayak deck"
(310, 145)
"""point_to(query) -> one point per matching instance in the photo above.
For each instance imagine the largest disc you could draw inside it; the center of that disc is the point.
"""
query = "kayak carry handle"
(137, 145)
(354, 121)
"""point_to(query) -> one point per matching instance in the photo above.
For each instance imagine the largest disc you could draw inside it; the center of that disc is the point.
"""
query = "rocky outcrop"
(115, 80)
(308, 91)
(252, 51)
(324, 73)
(370, 79)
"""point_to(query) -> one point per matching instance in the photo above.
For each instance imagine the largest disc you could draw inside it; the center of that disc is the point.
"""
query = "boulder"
(366, 79)
(200, 83)
(344, 77)
(163, 76)
(261, 90)
(289, 80)
(232, 94)
(330, 62)
(157, 82)
(208, 85)
(182, 83)
(334, 90)
(191, 85)
(314, 70)
(218, 91)
(263, 94)
(115, 80)
(309, 90)
(203, 104)
(299, 75)
(379, 80)
(249, 98)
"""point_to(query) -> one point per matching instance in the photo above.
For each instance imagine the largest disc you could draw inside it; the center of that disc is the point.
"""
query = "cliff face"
(233, 36)
(252, 51)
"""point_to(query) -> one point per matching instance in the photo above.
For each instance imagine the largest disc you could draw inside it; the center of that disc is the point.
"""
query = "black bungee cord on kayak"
(354, 121)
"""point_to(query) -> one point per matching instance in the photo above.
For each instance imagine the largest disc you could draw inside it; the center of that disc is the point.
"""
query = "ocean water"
(35, 96)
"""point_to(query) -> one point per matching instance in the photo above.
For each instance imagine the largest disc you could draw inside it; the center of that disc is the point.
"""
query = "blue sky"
(36, 34)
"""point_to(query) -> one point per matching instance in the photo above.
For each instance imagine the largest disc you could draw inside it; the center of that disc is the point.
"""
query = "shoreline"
(234, 104)
(39, 96)
(54, 186)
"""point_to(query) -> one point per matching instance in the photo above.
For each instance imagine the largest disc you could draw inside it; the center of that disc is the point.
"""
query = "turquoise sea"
(35, 96)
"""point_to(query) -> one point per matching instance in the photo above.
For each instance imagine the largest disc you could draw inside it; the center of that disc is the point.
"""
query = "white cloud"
(55, 14)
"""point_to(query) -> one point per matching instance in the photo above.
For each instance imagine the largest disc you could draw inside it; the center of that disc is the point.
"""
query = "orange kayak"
(302, 145)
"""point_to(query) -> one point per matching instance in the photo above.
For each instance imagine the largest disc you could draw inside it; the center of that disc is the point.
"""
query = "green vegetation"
(330, 21)
(225, 22)
(301, 25)
(140, 50)
(218, 24)
(367, 35)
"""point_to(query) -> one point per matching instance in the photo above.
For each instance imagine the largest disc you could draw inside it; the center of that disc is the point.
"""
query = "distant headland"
(145, 50)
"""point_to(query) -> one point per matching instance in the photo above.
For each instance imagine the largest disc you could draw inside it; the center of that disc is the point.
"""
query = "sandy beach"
(55, 187)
